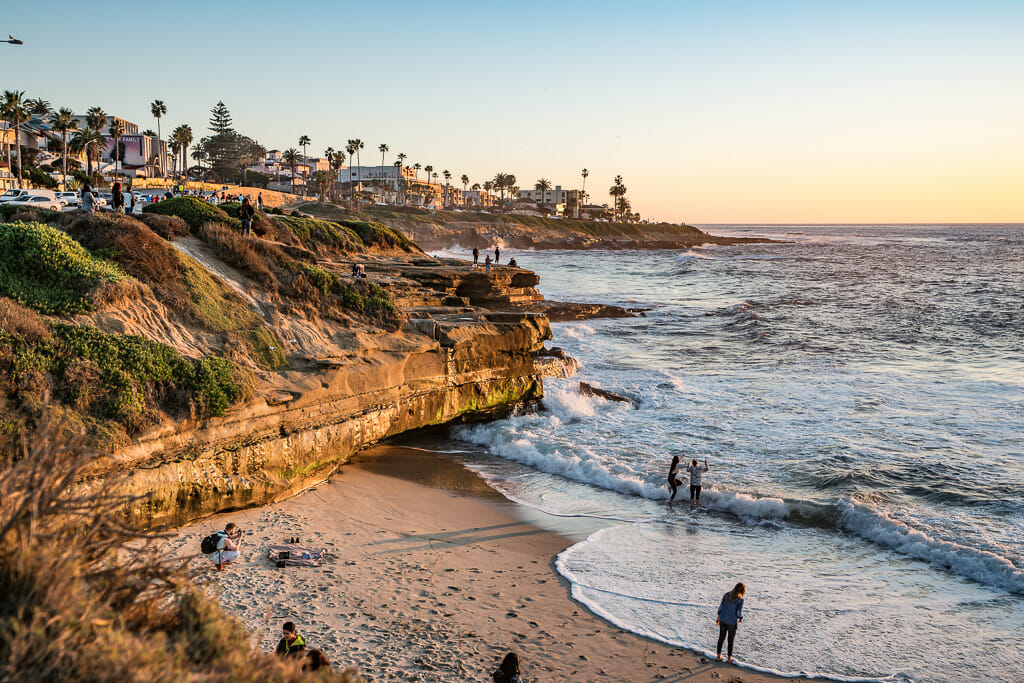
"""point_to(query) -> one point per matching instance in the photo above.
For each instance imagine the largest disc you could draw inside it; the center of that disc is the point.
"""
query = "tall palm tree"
(183, 136)
(37, 106)
(383, 150)
(90, 142)
(447, 186)
(465, 181)
(291, 157)
(417, 168)
(542, 185)
(15, 111)
(64, 121)
(176, 151)
(157, 108)
(336, 160)
(116, 131)
(96, 119)
(429, 169)
(199, 155)
(583, 192)
(618, 192)
(303, 141)
(354, 146)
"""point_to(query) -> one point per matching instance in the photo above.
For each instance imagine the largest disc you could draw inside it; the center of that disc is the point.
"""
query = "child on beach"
(508, 672)
(673, 478)
(730, 614)
(291, 643)
(696, 471)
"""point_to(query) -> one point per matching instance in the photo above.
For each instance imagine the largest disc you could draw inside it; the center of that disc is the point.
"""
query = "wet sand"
(432, 576)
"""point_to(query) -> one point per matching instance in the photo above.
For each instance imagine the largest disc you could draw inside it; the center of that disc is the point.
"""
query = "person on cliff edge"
(497, 255)
(476, 257)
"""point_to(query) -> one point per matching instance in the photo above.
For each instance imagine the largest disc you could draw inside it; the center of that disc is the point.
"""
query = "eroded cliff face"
(347, 388)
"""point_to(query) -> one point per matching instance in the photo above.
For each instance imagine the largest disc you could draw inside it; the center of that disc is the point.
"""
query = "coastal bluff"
(210, 371)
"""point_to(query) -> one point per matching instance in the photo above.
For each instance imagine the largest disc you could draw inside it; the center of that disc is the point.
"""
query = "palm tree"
(116, 131)
(176, 151)
(291, 157)
(64, 121)
(303, 141)
(183, 136)
(96, 119)
(447, 191)
(417, 168)
(90, 142)
(354, 146)
(618, 192)
(157, 108)
(16, 111)
(583, 192)
(429, 170)
(465, 181)
(382, 149)
(542, 186)
(336, 160)
(39, 107)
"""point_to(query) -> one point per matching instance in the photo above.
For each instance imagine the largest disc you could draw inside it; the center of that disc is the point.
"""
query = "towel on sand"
(296, 555)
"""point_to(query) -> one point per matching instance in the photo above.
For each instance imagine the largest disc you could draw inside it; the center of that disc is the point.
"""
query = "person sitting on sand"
(695, 471)
(227, 546)
(730, 614)
(291, 644)
(508, 672)
(673, 478)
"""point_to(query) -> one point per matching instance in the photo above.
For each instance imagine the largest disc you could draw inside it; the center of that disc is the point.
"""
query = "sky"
(723, 111)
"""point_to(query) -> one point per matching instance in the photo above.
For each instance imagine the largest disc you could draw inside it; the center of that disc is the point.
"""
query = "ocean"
(858, 392)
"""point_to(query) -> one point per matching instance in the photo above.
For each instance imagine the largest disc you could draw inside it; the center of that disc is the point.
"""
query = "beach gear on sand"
(295, 555)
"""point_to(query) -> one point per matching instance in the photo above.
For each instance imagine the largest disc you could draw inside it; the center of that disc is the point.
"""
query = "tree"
(157, 108)
(447, 186)
(303, 142)
(465, 181)
(200, 155)
(39, 107)
(183, 136)
(90, 142)
(429, 170)
(291, 157)
(150, 133)
(64, 121)
(15, 111)
(542, 186)
(618, 193)
(417, 168)
(583, 192)
(336, 160)
(220, 119)
(116, 131)
(383, 149)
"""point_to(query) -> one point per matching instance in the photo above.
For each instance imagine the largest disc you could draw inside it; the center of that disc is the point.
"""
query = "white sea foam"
(982, 566)
(576, 331)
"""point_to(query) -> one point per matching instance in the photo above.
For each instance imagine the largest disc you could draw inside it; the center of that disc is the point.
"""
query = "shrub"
(40, 178)
(230, 208)
(313, 232)
(43, 268)
(167, 227)
(380, 235)
(249, 256)
(7, 211)
(193, 211)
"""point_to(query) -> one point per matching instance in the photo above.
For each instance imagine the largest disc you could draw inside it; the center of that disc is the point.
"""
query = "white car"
(68, 198)
(38, 202)
(13, 195)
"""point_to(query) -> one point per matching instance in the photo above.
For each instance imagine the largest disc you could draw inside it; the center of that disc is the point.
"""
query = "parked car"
(23, 195)
(38, 202)
(68, 198)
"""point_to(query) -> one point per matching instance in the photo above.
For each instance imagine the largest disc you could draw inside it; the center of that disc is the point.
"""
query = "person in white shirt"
(696, 471)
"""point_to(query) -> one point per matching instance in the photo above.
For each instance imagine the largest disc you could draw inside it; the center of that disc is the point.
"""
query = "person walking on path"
(291, 644)
(508, 672)
(87, 200)
(245, 214)
(730, 615)
(673, 478)
(476, 257)
(116, 199)
(259, 201)
(497, 255)
(696, 471)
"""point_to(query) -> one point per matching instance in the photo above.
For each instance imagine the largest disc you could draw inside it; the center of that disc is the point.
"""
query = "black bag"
(210, 543)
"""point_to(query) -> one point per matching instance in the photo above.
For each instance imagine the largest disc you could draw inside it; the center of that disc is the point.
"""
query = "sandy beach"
(430, 575)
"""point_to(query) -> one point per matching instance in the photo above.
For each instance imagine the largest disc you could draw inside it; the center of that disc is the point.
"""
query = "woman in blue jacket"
(730, 614)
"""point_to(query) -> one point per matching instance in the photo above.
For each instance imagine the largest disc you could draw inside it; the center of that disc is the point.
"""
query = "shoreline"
(412, 590)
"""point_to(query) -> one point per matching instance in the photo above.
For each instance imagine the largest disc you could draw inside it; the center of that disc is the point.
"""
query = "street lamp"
(12, 41)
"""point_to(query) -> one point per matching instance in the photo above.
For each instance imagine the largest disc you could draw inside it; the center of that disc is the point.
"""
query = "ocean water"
(858, 392)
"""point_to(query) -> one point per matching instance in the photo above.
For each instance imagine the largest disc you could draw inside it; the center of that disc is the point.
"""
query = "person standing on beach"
(673, 478)
(696, 471)
(291, 644)
(476, 257)
(730, 614)
(246, 213)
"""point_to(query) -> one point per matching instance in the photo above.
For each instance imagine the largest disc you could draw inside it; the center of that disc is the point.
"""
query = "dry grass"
(85, 597)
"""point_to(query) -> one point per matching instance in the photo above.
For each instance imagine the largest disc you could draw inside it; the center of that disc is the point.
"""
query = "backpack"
(210, 543)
